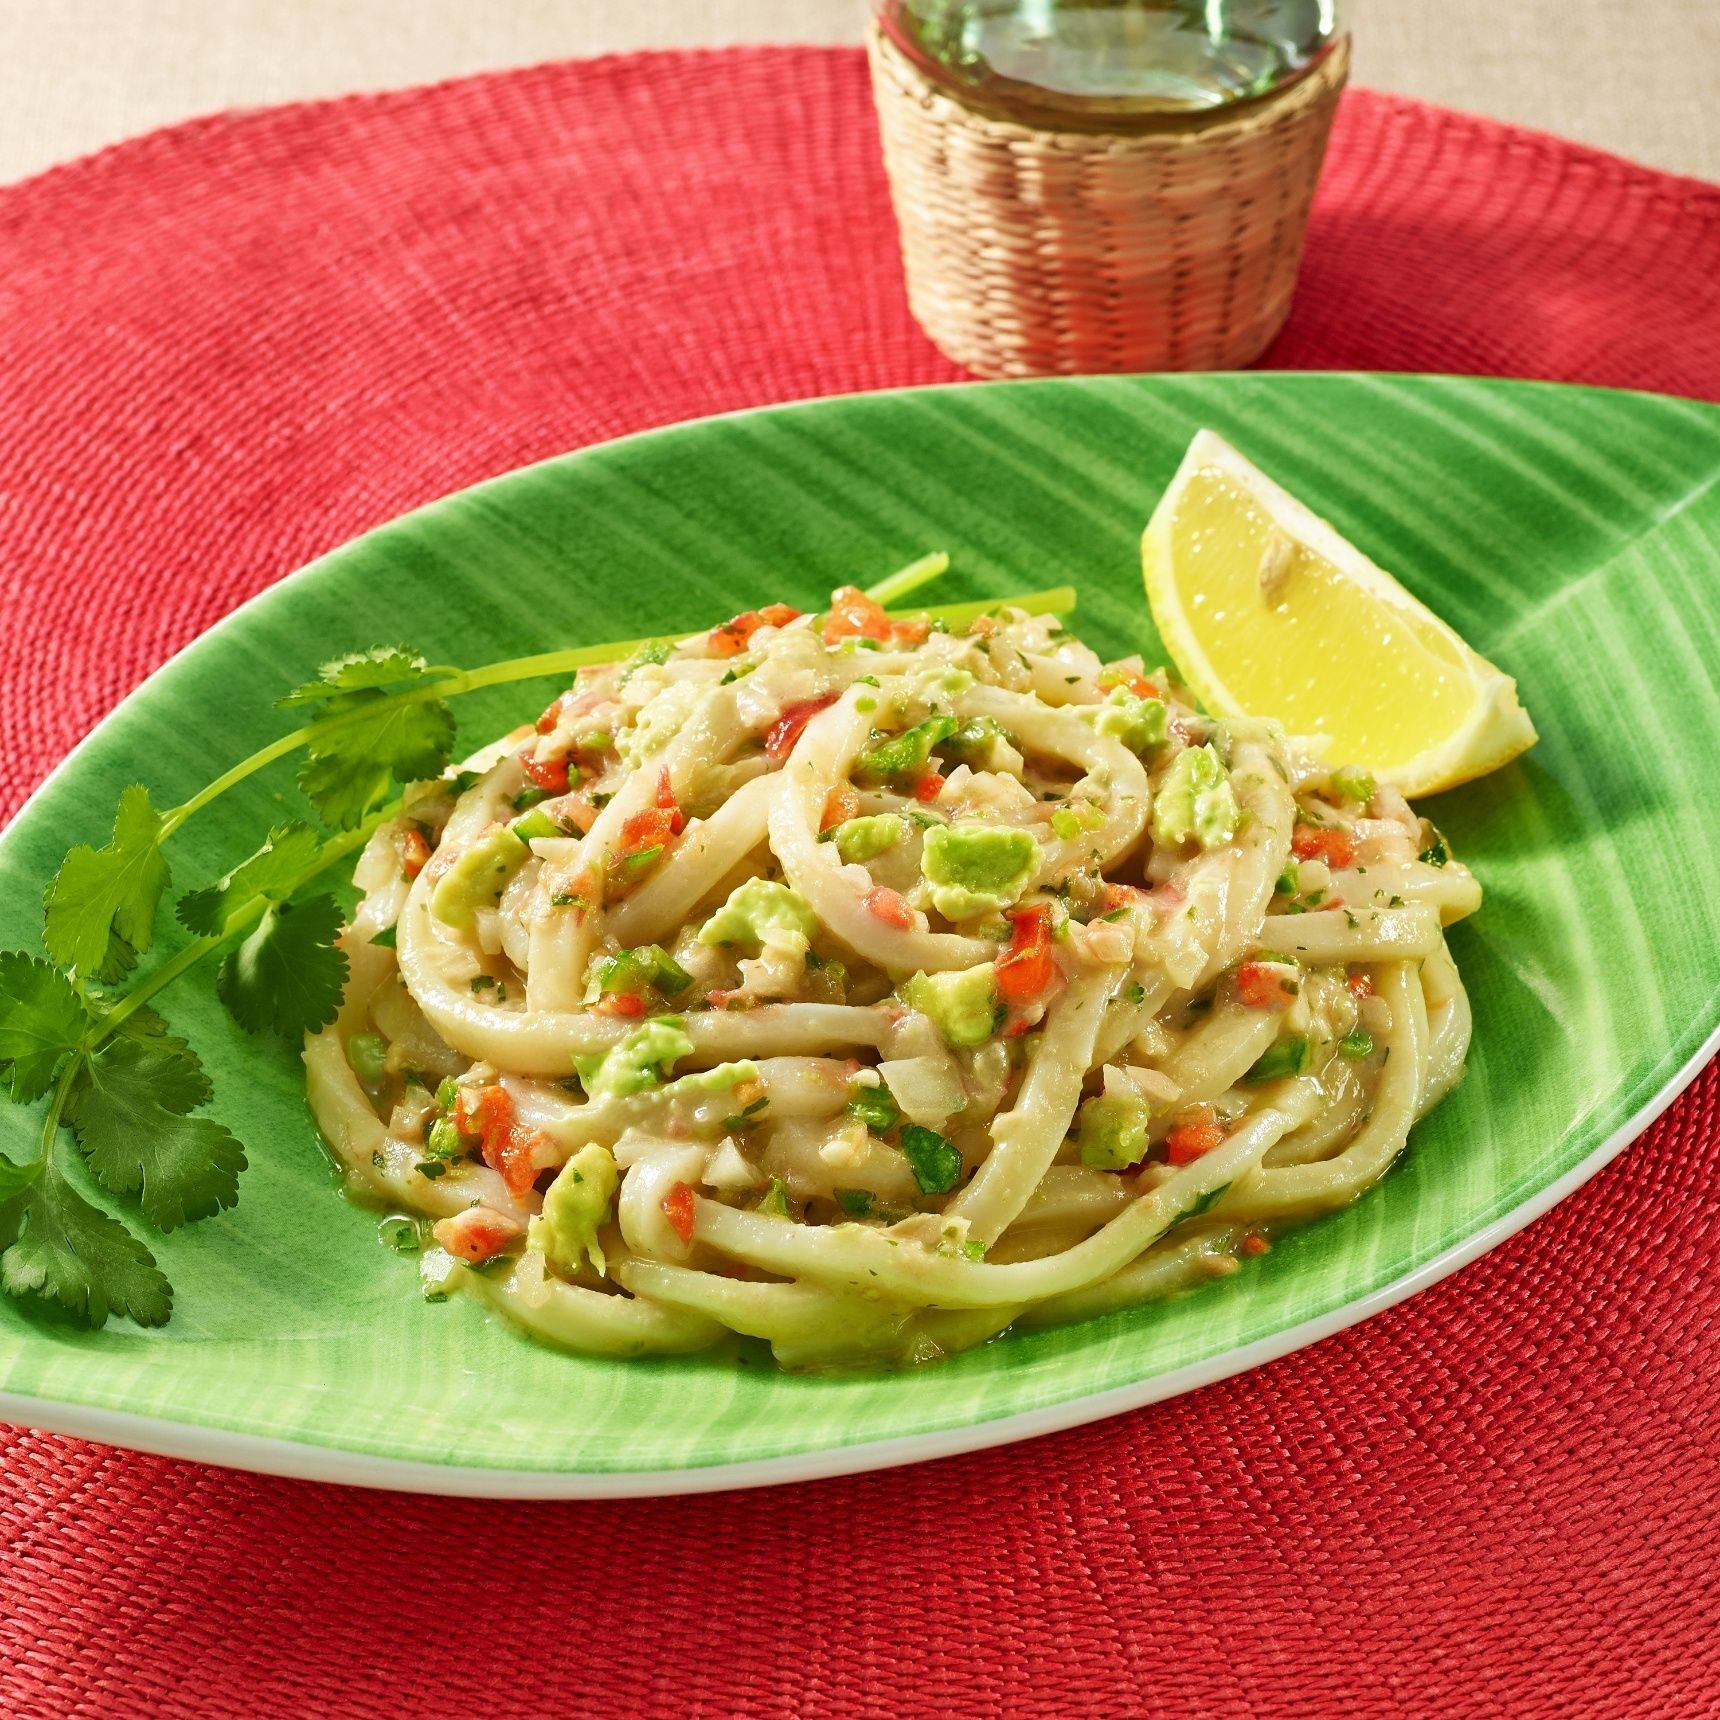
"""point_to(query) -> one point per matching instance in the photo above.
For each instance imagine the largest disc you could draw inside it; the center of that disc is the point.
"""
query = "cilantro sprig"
(124, 1120)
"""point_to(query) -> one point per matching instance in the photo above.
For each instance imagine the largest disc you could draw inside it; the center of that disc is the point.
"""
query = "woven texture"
(231, 346)
(1033, 253)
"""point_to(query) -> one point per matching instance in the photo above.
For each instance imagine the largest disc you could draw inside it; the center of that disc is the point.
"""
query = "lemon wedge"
(1267, 611)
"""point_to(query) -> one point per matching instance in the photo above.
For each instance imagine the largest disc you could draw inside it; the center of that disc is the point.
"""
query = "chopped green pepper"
(637, 970)
(443, 1141)
(876, 1107)
(1290, 1056)
(905, 755)
(936, 1164)
(536, 825)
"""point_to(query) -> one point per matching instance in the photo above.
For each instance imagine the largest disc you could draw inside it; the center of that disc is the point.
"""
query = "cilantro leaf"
(349, 769)
(144, 1023)
(379, 737)
(381, 666)
(288, 851)
(128, 1111)
(41, 1019)
(287, 975)
(72, 1253)
(15, 1178)
(101, 905)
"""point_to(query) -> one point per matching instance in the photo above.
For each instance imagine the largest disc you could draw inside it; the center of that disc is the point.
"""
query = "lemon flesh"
(1267, 611)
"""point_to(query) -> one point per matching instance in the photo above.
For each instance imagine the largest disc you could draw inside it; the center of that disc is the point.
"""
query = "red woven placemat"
(227, 347)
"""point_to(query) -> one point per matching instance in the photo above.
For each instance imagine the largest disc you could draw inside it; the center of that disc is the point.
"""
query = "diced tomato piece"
(648, 829)
(484, 1111)
(1027, 970)
(735, 635)
(552, 712)
(780, 739)
(854, 615)
(477, 1234)
(620, 1003)
(888, 906)
(488, 1113)
(732, 637)
(515, 1155)
(910, 632)
(1199, 1133)
(678, 1209)
(840, 805)
(1314, 842)
(1252, 1242)
(549, 774)
(1139, 685)
(667, 802)
(1261, 985)
(929, 787)
(414, 852)
(1361, 985)
(1116, 897)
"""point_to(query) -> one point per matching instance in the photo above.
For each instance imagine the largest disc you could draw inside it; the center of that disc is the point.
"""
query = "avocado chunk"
(636, 1062)
(1195, 802)
(478, 878)
(575, 1207)
(1140, 724)
(755, 909)
(720, 1079)
(865, 838)
(977, 868)
(976, 743)
(1113, 1132)
(962, 1006)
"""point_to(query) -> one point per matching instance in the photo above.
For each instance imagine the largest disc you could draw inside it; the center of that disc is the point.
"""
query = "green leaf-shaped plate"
(1572, 535)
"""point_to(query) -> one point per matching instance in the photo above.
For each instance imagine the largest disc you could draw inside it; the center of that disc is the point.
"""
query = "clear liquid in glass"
(1110, 65)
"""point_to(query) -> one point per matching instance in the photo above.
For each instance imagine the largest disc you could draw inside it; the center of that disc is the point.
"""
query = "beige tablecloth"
(1635, 76)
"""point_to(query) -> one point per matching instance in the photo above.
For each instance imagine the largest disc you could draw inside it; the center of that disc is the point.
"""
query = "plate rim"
(264, 1454)
(304, 1460)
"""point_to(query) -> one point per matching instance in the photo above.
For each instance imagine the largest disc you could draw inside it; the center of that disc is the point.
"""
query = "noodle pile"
(866, 988)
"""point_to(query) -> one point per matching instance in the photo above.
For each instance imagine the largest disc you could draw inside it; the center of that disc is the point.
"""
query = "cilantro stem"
(171, 821)
(910, 578)
(336, 848)
(1058, 600)
(56, 1109)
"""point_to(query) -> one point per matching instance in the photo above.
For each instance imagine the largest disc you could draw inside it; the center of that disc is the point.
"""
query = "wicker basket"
(1033, 252)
